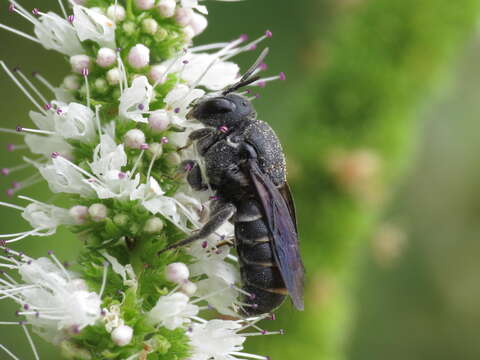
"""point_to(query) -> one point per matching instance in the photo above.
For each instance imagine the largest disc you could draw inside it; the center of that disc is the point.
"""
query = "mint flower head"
(110, 142)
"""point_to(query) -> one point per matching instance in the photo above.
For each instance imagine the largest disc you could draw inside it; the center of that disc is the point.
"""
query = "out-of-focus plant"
(109, 147)
(355, 118)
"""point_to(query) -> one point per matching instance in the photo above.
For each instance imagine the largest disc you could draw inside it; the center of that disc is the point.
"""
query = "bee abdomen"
(260, 274)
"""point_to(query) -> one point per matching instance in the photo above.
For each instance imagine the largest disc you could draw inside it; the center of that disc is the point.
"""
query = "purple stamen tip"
(17, 313)
(185, 62)
(254, 306)
(144, 147)
(273, 317)
(10, 192)
(223, 129)
(16, 69)
(177, 110)
(66, 264)
(257, 96)
(118, 50)
(71, 18)
(19, 128)
(11, 8)
(243, 37)
(263, 66)
(3, 243)
(59, 111)
(16, 185)
(103, 313)
(253, 47)
(55, 155)
(188, 167)
(5, 171)
(76, 329)
(268, 34)
(252, 296)
(261, 84)
(47, 106)
(35, 73)
(50, 252)
(204, 244)
(141, 107)
(26, 307)
(121, 175)
(213, 198)
(35, 11)
(85, 72)
(164, 140)
(282, 76)
(264, 332)
(10, 147)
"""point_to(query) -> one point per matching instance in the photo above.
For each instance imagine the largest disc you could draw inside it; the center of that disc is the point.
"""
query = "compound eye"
(218, 106)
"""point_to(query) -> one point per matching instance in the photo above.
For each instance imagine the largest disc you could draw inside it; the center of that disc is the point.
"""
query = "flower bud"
(98, 212)
(120, 219)
(134, 139)
(106, 57)
(149, 26)
(177, 272)
(188, 32)
(79, 214)
(113, 76)
(174, 159)
(139, 56)
(129, 28)
(122, 335)
(101, 85)
(183, 16)
(153, 225)
(199, 23)
(80, 62)
(71, 82)
(188, 288)
(157, 74)
(144, 4)
(155, 149)
(166, 8)
(161, 34)
(159, 121)
(116, 13)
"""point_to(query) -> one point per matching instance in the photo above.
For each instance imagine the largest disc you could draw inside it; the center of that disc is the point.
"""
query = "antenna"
(245, 79)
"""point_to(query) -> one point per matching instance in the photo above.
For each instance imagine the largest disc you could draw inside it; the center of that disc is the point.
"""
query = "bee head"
(224, 110)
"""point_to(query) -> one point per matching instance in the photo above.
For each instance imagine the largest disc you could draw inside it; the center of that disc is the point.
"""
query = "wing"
(281, 225)
(287, 196)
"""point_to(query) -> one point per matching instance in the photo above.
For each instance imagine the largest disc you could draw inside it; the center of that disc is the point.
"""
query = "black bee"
(245, 166)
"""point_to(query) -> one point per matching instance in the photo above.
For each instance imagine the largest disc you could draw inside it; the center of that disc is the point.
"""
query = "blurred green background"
(378, 118)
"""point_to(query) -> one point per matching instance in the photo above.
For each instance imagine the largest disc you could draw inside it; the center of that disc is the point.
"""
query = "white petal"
(135, 100)
(90, 25)
(58, 34)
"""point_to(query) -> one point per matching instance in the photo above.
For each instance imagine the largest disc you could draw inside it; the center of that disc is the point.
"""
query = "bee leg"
(222, 214)
(194, 175)
(197, 135)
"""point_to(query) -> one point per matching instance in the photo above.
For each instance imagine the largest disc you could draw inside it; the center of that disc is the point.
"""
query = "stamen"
(8, 171)
(34, 131)
(10, 131)
(44, 82)
(249, 356)
(59, 264)
(8, 351)
(85, 76)
(104, 279)
(97, 120)
(20, 33)
(29, 83)
(60, 2)
(16, 207)
(27, 94)
(209, 295)
(34, 349)
(137, 162)
(150, 167)
(13, 147)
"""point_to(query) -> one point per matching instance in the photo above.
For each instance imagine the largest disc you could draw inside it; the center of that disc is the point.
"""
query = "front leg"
(194, 175)
(222, 214)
